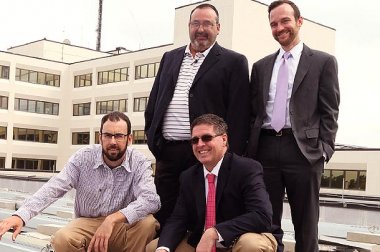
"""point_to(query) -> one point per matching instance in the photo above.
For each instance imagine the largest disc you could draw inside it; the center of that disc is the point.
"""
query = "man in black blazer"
(243, 209)
(293, 157)
(199, 78)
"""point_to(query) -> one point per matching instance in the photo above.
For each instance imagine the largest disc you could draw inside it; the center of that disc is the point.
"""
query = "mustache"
(113, 146)
(203, 34)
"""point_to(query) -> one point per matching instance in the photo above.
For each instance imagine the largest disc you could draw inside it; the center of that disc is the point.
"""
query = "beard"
(289, 40)
(201, 45)
(114, 156)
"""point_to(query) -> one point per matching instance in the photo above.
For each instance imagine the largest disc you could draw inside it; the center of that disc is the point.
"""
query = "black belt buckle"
(278, 134)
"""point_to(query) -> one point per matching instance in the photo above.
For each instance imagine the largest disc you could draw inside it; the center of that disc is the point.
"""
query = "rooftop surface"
(339, 227)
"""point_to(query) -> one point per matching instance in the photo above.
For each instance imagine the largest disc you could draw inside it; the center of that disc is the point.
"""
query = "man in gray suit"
(293, 140)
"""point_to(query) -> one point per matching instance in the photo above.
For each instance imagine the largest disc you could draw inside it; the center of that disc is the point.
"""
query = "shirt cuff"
(164, 248)
(220, 238)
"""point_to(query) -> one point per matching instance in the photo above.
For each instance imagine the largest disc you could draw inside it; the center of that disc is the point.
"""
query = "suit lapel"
(223, 176)
(303, 67)
(199, 192)
(268, 68)
(177, 62)
(212, 57)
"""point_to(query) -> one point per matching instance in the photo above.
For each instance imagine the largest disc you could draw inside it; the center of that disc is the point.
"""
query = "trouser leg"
(141, 233)
(252, 242)
(76, 235)
(175, 158)
(268, 155)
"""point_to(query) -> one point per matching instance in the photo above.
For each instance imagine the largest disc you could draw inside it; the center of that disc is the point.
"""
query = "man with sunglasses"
(230, 211)
(192, 80)
(115, 195)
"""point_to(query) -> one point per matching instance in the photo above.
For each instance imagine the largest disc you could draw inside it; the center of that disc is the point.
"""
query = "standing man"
(222, 201)
(295, 102)
(192, 80)
(115, 195)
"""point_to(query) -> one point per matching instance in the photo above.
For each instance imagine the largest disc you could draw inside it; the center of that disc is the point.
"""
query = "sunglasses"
(205, 138)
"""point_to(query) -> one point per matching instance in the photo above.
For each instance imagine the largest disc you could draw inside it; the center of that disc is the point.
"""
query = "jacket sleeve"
(258, 215)
(328, 105)
(151, 106)
(238, 110)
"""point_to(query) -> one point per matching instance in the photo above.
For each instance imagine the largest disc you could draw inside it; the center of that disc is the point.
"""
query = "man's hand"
(99, 242)
(208, 239)
(14, 222)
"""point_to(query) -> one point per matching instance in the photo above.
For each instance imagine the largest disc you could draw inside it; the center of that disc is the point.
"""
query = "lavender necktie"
(279, 106)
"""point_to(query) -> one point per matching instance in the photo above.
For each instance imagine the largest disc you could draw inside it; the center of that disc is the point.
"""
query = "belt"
(272, 132)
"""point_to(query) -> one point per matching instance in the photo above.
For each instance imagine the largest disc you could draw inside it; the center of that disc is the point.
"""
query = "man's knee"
(63, 240)
(148, 224)
(151, 247)
(252, 242)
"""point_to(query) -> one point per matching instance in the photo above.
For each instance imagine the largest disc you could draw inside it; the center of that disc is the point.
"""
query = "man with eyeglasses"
(230, 212)
(192, 80)
(115, 195)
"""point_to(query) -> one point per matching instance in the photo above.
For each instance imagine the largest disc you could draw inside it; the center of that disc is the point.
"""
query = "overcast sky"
(145, 23)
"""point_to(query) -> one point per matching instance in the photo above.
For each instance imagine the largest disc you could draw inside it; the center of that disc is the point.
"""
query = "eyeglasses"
(119, 137)
(205, 25)
(205, 138)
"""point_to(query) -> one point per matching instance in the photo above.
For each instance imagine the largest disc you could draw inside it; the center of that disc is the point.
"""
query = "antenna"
(99, 30)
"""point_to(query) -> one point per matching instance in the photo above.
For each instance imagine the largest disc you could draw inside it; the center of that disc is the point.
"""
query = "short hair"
(204, 6)
(275, 4)
(116, 116)
(220, 126)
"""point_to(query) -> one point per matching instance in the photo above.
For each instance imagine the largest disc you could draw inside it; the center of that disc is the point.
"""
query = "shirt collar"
(215, 170)
(204, 54)
(295, 51)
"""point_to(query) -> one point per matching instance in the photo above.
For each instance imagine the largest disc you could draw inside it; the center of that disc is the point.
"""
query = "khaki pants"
(249, 242)
(77, 234)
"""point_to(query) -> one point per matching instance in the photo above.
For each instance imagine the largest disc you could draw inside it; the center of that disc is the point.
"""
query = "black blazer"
(313, 107)
(221, 87)
(242, 203)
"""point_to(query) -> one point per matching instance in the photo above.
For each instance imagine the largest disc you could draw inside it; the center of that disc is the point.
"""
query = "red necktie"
(210, 212)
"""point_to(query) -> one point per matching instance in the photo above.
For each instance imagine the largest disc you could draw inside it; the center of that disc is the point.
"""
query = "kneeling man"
(223, 204)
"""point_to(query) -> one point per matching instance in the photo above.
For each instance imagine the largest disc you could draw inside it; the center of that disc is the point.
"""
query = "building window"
(81, 109)
(33, 164)
(3, 102)
(96, 137)
(3, 132)
(81, 138)
(83, 80)
(139, 104)
(39, 107)
(139, 137)
(105, 107)
(4, 72)
(344, 179)
(146, 70)
(35, 135)
(115, 75)
(2, 162)
(37, 77)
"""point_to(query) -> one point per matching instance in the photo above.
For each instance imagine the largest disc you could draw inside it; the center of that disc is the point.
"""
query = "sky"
(146, 23)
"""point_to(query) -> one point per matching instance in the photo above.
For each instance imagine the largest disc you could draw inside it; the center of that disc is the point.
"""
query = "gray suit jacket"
(314, 103)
